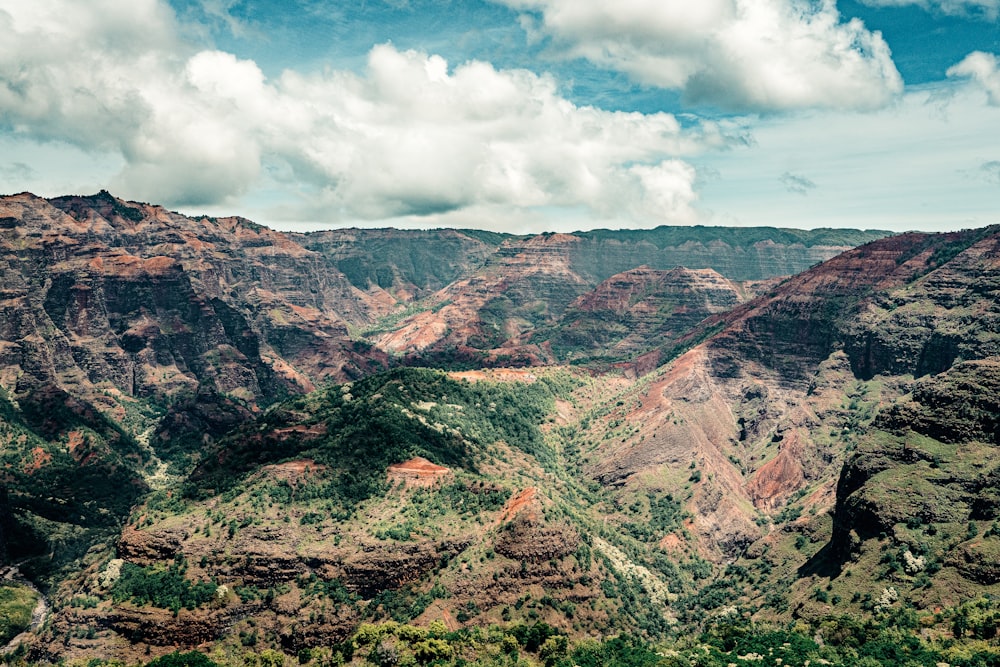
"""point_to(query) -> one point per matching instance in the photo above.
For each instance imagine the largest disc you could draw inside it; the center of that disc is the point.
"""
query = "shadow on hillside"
(824, 563)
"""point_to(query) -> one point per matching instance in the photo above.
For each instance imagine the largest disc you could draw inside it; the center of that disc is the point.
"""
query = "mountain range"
(221, 438)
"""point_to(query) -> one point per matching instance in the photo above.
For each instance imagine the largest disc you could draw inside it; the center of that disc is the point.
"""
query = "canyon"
(223, 437)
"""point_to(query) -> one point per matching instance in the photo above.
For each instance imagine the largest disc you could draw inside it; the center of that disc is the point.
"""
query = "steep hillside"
(129, 333)
(69, 477)
(526, 284)
(152, 304)
(635, 311)
(827, 428)
(409, 496)
(408, 264)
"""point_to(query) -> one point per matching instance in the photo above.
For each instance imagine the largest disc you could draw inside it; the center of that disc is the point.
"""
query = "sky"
(513, 115)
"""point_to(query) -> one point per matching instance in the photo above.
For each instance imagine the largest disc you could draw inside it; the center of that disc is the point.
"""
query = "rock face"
(631, 312)
(552, 297)
(524, 534)
(97, 290)
(951, 417)
(408, 264)
(846, 301)
(128, 331)
(763, 410)
(524, 285)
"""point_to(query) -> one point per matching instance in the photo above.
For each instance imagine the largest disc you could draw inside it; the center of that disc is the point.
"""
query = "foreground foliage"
(847, 641)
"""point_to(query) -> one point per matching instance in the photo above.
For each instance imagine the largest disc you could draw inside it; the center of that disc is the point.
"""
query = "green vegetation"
(70, 478)
(835, 641)
(119, 208)
(161, 587)
(384, 419)
(179, 659)
(665, 516)
(16, 606)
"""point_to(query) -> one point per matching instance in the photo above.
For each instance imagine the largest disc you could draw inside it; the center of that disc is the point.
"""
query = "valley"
(680, 446)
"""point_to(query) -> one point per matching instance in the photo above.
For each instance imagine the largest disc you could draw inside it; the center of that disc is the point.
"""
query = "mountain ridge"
(725, 460)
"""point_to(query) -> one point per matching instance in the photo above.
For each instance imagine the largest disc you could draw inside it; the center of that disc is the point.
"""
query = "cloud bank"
(760, 55)
(409, 136)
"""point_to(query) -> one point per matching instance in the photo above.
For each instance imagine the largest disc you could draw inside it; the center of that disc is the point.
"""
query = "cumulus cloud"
(409, 136)
(985, 8)
(743, 54)
(982, 68)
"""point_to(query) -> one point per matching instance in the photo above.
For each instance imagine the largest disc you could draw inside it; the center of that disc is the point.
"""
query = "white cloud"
(745, 54)
(986, 8)
(927, 162)
(407, 137)
(983, 69)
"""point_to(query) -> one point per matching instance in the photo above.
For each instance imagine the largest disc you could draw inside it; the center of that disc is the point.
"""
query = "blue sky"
(514, 115)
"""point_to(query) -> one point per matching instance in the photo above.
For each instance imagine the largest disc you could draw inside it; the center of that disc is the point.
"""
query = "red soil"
(525, 501)
(418, 471)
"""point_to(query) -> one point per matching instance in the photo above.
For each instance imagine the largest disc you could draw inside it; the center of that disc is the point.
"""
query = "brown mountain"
(634, 311)
(848, 414)
(764, 463)
(521, 306)
(525, 284)
(152, 303)
(172, 483)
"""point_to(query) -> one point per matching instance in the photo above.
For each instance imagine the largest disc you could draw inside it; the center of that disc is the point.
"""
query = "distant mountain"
(505, 311)
(153, 303)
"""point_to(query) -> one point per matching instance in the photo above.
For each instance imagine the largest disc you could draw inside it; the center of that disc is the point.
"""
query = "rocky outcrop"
(379, 567)
(949, 314)
(97, 290)
(416, 472)
(525, 535)
(640, 309)
(792, 329)
(409, 264)
(958, 405)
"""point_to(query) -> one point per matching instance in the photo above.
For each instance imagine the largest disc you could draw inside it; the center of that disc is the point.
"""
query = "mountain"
(842, 423)
(513, 310)
(634, 311)
(409, 264)
(153, 303)
(754, 475)
(130, 333)
(215, 439)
